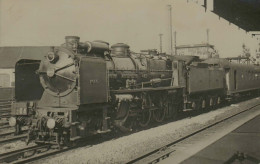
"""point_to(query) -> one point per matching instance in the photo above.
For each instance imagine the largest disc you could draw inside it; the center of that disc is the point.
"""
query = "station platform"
(242, 143)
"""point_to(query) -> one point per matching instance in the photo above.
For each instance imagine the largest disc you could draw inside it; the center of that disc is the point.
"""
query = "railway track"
(5, 127)
(165, 151)
(9, 137)
(4, 123)
(22, 153)
(5, 108)
(6, 134)
(38, 152)
(10, 133)
(32, 153)
(13, 138)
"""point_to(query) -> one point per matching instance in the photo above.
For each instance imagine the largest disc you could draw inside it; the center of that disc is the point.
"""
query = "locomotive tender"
(81, 89)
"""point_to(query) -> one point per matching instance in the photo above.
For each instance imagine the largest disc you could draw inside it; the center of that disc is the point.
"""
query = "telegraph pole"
(208, 41)
(170, 12)
(160, 35)
(175, 41)
(208, 36)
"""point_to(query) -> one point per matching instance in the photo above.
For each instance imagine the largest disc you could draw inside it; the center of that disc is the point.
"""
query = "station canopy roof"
(243, 13)
(10, 55)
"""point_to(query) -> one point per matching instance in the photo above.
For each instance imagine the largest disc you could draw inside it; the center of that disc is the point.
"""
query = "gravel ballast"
(128, 147)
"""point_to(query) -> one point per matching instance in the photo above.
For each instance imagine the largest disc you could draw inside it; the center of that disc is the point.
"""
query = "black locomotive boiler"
(81, 89)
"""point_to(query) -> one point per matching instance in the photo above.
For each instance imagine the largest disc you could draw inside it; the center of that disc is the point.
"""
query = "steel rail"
(14, 138)
(5, 126)
(10, 133)
(42, 155)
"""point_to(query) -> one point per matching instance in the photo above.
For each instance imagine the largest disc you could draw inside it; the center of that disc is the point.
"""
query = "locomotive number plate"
(93, 81)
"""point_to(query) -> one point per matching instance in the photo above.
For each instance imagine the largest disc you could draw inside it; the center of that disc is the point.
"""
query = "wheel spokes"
(145, 118)
(145, 112)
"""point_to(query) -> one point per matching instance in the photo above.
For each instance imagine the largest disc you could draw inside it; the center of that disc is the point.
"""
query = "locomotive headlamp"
(52, 57)
(50, 72)
(51, 123)
(12, 121)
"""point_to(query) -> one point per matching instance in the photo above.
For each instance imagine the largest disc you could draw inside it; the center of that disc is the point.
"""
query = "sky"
(135, 22)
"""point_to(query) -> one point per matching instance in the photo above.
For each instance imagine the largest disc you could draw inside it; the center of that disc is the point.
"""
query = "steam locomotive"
(85, 88)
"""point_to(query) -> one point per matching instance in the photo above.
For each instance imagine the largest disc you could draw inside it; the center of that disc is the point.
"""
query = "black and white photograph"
(130, 81)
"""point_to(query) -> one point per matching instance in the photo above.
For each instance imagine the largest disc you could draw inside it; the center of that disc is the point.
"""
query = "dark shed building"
(8, 58)
(10, 55)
